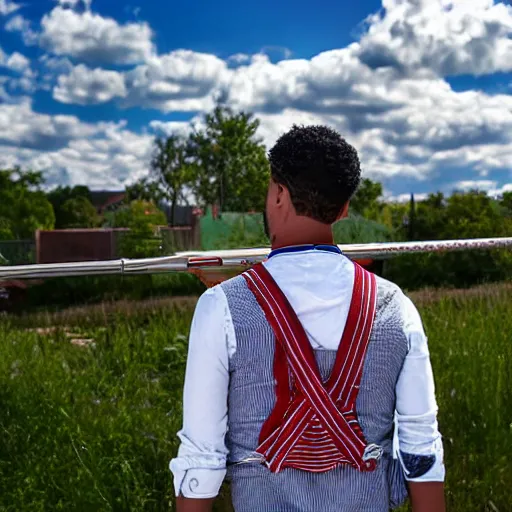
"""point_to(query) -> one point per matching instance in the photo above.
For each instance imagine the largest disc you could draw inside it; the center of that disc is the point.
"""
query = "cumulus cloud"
(23, 128)
(448, 37)
(502, 190)
(403, 124)
(387, 93)
(22, 77)
(85, 86)
(74, 4)
(19, 24)
(404, 198)
(92, 38)
(168, 128)
(69, 150)
(485, 185)
(18, 62)
(180, 80)
(7, 7)
(239, 58)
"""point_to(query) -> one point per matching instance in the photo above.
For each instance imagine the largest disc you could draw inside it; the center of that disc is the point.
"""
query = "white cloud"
(93, 38)
(69, 150)
(500, 191)
(180, 80)
(387, 93)
(18, 62)
(86, 4)
(24, 78)
(7, 7)
(21, 127)
(84, 86)
(176, 128)
(404, 198)
(484, 185)
(450, 38)
(239, 58)
(19, 24)
(402, 125)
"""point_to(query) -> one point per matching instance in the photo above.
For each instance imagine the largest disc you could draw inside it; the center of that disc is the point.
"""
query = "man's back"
(321, 301)
(319, 286)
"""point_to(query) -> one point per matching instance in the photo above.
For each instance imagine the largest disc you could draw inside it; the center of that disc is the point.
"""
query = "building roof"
(102, 199)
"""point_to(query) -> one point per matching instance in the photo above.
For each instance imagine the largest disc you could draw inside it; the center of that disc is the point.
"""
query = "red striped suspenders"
(314, 426)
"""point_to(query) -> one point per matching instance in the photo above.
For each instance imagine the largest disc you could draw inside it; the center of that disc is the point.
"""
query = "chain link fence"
(17, 252)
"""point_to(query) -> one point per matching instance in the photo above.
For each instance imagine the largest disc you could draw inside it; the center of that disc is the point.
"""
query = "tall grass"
(89, 410)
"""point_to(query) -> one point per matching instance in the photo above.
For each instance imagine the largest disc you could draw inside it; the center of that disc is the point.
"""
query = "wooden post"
(38, 246)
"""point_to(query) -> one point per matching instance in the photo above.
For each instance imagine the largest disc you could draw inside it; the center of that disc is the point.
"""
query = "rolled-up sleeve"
(200, 466)
(417, 441)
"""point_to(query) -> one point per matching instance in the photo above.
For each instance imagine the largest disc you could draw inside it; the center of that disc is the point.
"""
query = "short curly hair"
(320, 169)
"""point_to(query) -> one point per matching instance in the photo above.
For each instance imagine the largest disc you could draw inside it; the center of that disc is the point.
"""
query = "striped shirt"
(318, 286)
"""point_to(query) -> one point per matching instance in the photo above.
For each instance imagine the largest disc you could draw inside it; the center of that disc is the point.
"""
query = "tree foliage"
(64, 198)
(142, 219)
(79, 212)
(223, 163)
(459, 216)
(506, 203)
(170, 174)
(366, 200)
(24, 207)
(231, 168)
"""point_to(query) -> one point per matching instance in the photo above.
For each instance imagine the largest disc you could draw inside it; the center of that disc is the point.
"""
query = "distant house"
(183, 215)
(105, 200)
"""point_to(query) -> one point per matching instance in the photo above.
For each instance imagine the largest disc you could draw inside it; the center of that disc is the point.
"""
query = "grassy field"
(90, 402)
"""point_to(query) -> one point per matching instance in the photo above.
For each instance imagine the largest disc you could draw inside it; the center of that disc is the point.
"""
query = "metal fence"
(17, 252)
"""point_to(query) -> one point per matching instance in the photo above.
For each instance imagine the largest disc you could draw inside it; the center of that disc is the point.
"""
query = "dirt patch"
(76, 339)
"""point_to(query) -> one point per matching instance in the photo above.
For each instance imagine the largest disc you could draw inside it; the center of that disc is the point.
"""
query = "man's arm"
(419, 444)
(193, 505)
(425, 496)
(200, 467)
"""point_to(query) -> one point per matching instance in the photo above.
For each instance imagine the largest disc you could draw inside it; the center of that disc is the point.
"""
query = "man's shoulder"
(233, 285)
(388, 290)
(393, 299)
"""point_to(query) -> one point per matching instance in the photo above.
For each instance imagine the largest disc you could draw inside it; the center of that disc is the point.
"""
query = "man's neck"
(326, 238)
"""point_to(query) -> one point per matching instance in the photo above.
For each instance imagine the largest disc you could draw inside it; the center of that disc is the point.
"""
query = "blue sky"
(422, 88)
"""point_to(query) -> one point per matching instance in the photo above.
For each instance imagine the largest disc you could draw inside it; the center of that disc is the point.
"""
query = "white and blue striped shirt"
(318, 285)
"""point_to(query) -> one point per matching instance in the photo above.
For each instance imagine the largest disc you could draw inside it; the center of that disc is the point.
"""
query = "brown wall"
(72, 245)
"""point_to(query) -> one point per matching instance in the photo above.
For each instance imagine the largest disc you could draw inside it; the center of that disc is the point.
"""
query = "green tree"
(144, 190)
(64, 216)
(142, 219)
(79, 212)
(459, 216)
(506, 202)
(231, 168)
(470, 215)
(366, 201)
(430, 218)
(24, 207)
(170, 174)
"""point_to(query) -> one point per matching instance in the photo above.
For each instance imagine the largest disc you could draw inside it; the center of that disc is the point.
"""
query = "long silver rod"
(237, 258)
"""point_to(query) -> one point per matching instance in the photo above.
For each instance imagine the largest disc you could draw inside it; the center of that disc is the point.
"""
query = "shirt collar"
(307, 247)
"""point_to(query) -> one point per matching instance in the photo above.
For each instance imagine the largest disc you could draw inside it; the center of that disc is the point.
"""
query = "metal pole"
(238, 258)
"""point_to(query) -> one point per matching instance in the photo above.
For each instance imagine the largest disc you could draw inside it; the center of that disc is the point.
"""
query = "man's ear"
(282, 195)
(344, 212)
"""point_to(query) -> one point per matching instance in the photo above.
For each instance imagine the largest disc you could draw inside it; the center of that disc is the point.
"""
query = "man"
(308, 381)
